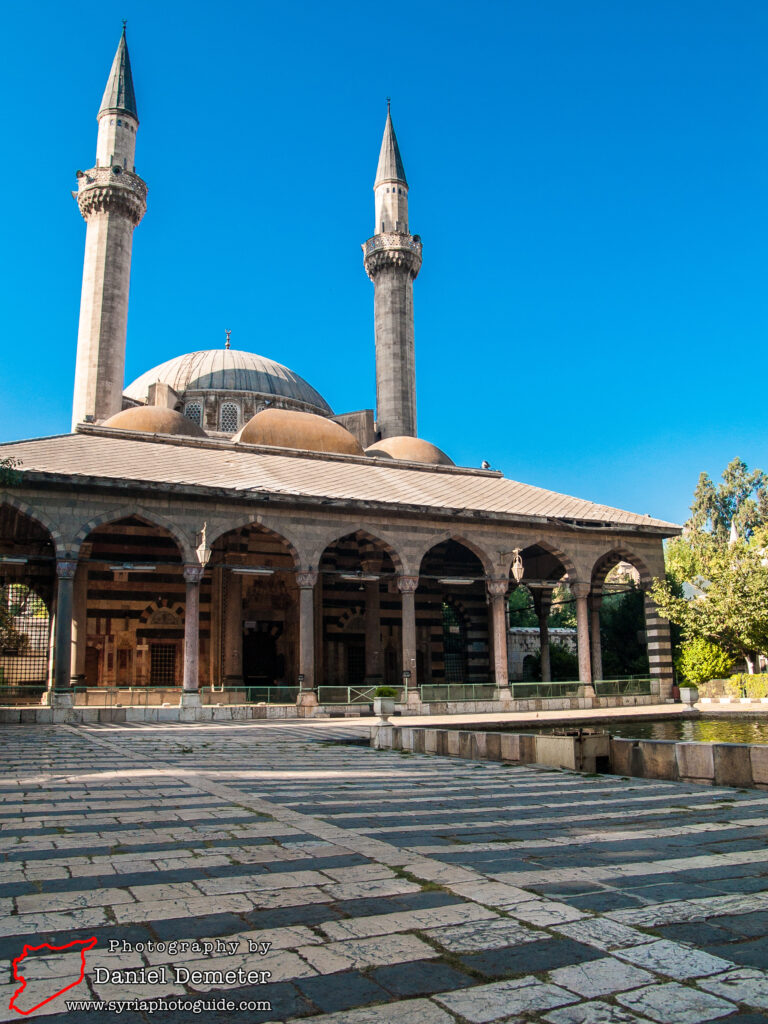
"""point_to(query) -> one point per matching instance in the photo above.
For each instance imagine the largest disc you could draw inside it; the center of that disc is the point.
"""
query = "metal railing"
(156, 696)
(435, 692)
(547, 691)
(623, 686)
(14, 694)
(350, 694)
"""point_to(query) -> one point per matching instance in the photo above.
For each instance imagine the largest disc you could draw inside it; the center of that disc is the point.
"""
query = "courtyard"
(298, 874)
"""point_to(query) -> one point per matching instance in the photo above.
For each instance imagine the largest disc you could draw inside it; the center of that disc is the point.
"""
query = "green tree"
(521, 609)
(8, 473)
(563, 612)
(699, 661)
(732, 611)
(622, 621)
(722, 553)
(563, 665)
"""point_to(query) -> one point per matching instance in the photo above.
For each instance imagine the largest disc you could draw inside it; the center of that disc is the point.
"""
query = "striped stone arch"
(609, 559)
(186, 550)
(375, 541)
(176, 609)
(59, 545)
(484, 557)
(251, 520)
(563, 557)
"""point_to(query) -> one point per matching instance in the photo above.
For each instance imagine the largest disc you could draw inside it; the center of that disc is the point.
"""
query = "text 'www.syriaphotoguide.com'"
(156, 1005)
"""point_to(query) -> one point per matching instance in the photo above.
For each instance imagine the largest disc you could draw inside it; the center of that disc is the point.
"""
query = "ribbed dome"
(153, 419)
(284, 428)
(227, 369)
(410, 449)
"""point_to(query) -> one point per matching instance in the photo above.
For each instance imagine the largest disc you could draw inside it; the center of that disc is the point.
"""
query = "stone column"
(659, 649)
(306, 582)
(581, 592)
(62, 655)
(497, 592)
(407, 586)
(190, 694)
(596, 649)
(233, 629)
(372, 631)
(542, 600)
(79, 624)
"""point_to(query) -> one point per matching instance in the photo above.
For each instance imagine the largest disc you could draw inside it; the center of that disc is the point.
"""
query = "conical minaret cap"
(119, 94)
(390, 162)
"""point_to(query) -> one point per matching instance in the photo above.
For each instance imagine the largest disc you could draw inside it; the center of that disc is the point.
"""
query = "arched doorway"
(452, 616)
(254, 610)
(27, 574)
(360, 613)
(128, 607)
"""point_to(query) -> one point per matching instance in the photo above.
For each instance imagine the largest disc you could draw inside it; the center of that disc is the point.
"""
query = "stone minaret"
(392, 261)
(112, 200)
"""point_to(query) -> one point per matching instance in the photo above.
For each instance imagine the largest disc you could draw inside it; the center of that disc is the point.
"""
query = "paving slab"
(278, 865)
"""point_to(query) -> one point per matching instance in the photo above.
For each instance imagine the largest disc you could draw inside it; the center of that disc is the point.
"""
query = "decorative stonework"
(66, 570)
(193, 573)
(306, 580)
(407, 584)
(392, 250)
(112, 189)
(497, 588)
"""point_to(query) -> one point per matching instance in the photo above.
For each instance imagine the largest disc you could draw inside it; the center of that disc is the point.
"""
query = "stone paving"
(299, 876)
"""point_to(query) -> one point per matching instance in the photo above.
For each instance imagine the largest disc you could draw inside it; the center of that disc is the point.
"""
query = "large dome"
(227, 369)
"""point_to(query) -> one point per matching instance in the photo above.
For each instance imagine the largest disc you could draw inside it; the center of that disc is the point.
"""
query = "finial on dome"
(389, 100)
(226, 343)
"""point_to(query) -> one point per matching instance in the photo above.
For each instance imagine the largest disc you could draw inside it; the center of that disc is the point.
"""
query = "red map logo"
(85, 945)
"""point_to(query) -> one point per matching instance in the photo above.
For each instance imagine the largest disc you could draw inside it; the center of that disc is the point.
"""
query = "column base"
(307, 699)
(189, 699)
(589, 691)
(61, 700)
(502, 693)
(414, 699)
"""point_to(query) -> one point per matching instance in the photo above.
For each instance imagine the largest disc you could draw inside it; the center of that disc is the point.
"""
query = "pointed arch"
(562, 556)
(250, 520)
(374, 539)
(186, 549)
(39, 517)
(611, 558)
(483, 556)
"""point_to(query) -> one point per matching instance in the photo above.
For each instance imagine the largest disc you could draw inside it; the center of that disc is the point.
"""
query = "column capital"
(306, 580)
(579, 590)
(66, 568)
(496, 587)
(193, 573)
(407, 584)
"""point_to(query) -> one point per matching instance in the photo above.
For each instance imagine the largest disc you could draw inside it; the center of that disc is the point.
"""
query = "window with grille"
(228, 418)
(163, 665)
(193, 411)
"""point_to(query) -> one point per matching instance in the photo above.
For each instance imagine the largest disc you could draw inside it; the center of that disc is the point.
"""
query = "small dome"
(153, 419)
(228, 369)
(285, 428)
(409, 449)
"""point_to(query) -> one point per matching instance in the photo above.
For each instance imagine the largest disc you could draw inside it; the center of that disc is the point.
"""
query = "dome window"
(194, 412)
(229, 418)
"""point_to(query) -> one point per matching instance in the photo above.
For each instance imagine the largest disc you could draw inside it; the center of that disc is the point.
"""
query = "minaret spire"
(392, 261)
(119, 96)
(112, 200)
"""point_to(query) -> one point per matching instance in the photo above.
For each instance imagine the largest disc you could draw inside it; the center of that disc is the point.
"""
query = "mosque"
(215, 524)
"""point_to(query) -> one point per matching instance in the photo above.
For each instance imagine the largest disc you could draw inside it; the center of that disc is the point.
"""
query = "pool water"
(712, 729)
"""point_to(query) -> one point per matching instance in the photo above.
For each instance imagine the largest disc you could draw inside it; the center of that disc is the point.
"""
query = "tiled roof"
(115, 455)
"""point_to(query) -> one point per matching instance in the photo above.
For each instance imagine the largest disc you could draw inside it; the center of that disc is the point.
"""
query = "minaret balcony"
(392, 240)
(111, 188)
(392, 249)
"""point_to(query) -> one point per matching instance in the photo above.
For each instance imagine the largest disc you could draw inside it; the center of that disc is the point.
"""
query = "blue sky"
(589, 181)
